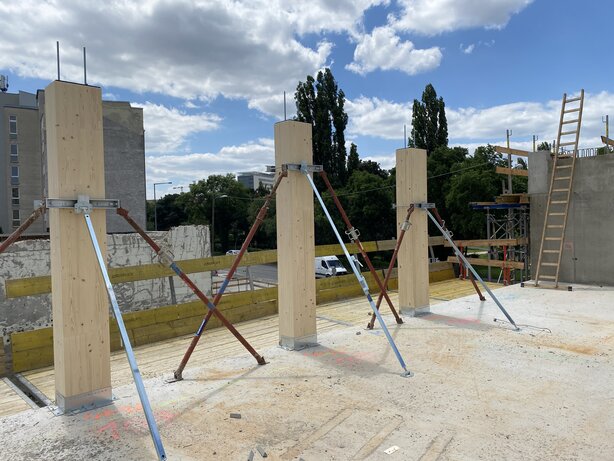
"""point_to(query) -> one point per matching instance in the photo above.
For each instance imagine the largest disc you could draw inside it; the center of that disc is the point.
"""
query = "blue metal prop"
(136, 374)
(361, 279)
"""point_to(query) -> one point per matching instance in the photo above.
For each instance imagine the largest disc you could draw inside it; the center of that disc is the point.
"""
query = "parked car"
(233, 252)
(328, 266)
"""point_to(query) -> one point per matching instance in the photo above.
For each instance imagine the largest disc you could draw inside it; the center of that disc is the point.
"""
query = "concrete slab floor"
(480, 391)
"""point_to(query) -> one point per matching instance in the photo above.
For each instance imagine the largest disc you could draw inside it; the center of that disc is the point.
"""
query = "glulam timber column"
(295, 239)
(413, 255)
(75, 166)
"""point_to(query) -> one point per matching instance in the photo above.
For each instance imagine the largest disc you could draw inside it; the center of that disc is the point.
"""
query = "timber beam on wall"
(509, 150)
(512, 171)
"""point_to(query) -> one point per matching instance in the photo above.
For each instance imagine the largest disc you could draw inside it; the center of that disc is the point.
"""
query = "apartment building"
(23, 160)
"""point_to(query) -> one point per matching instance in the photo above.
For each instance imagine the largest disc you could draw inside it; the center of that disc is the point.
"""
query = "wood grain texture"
(295, 236)
(75, 166)
(413, 254)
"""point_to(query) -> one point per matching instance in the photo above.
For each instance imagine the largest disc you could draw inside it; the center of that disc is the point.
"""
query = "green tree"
(442, 162)
(429, 122)
(544, 146)
(373, 168)
(266, 236)
(171, 211)
(353, 160)
(231, 204)
(321, 103)
(369, 205)
(476, 181)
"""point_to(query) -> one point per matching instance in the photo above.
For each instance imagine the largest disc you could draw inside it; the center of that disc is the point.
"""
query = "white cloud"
(467, 49)
(184, 169)
(168, 129)
(383, 49)
(191, 50)
(431, 17)
(377, 117)
(471, 127)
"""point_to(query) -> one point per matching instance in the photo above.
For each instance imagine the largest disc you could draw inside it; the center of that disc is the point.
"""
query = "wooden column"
(413, 254)
(295, 239)
(75, 166)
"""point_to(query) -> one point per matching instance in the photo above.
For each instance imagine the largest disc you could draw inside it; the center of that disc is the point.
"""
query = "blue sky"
(211, 75)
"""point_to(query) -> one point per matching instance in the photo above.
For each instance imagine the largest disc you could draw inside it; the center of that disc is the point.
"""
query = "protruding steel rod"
(136, 374)
(84, 67)
(57, 52)
(464, 260)
(393, 260)
(356, 240)
(21, 229)
(359, 276)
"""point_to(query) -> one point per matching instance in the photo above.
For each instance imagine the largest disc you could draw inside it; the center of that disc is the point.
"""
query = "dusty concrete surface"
(480, 391)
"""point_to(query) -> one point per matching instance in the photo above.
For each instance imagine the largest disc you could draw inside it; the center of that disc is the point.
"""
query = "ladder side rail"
(543, 239)
(571, 174)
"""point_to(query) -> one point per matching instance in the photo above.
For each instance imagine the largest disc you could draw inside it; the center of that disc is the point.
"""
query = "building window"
(14, 153)
(13, 125)
(15, 196)
(14, 175)
(16, 221)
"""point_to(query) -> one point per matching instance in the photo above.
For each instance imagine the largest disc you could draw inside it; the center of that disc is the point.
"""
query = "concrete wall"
(124, 162)
(588, 251)
(30, 258)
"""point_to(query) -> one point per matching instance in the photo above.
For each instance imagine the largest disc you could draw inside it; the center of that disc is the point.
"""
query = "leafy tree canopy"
(320, 102)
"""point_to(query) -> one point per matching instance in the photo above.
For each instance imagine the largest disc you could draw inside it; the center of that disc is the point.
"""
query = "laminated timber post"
(295, 239)
(413, 269)
(75, 166)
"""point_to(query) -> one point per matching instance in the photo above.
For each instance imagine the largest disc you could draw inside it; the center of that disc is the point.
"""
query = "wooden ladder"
(559, 194)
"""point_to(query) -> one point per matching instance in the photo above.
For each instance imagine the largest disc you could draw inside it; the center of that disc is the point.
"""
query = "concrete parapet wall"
(30, 258)
(588, 253)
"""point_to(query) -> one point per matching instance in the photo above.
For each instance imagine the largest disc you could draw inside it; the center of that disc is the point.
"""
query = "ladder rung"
(550, 264)
(577, 120)
(555, 225)
(565, 133)
(551, 251)
(570, 143)
(577, 109)
(560, 190)
(549, 277)
(558, 201)
(554, 238)
(573, 99)
(556, 214)
(562, 177)
(560, 167)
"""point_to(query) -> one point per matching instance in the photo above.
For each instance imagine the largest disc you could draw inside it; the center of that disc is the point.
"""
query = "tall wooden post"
(413, 254)
(295, 239)
(75, 166)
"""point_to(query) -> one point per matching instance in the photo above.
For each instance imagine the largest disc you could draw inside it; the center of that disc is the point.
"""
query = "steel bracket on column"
(424, 205)
(82, 205)
(302, 167)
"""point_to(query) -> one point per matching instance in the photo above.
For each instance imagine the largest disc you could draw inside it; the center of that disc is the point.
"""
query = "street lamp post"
(156, 203)
(213, 220)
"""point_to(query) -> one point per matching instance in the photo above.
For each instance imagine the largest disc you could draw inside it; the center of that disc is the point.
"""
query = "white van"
(327, 266)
